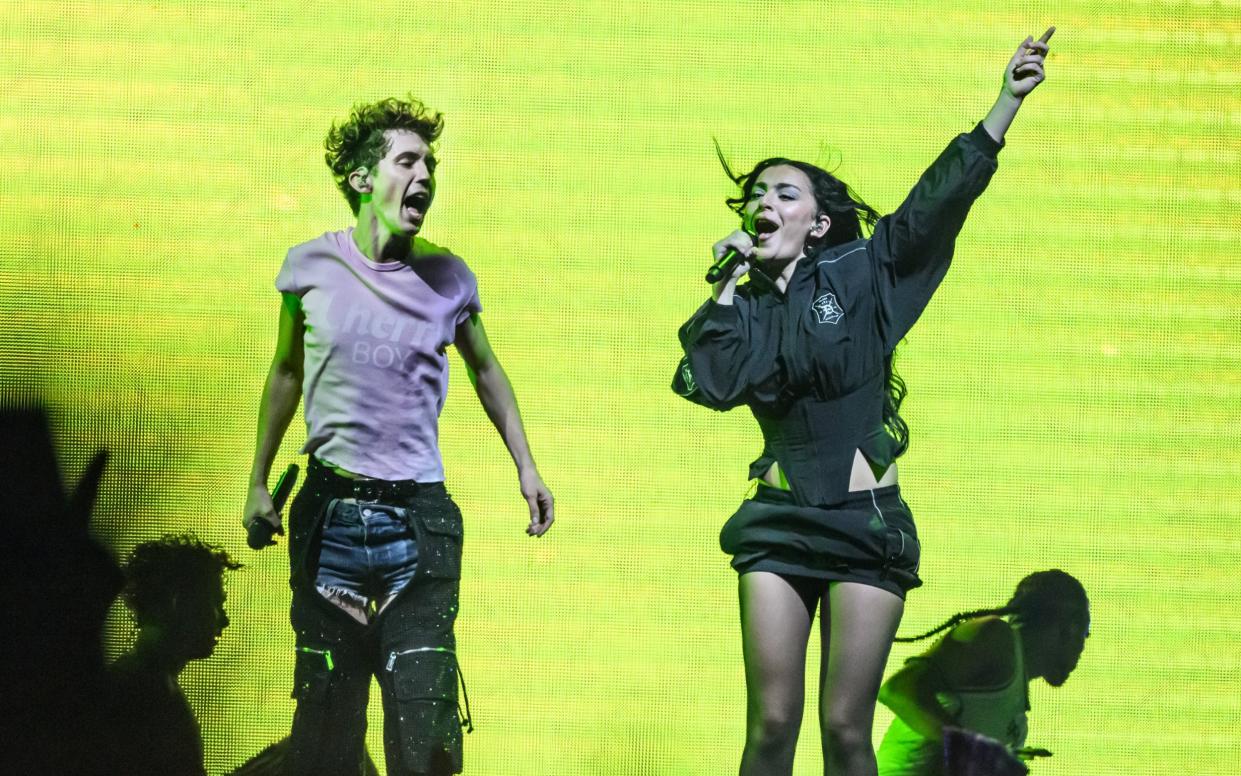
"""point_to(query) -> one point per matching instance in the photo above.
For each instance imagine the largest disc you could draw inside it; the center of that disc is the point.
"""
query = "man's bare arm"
(495, 393)
(281, 393)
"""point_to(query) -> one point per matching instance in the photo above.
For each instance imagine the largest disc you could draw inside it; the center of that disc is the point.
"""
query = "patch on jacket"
(687, 378)
(826, 310)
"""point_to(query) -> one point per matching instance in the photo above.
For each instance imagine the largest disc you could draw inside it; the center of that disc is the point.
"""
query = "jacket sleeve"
(716, 367)
(911, 248)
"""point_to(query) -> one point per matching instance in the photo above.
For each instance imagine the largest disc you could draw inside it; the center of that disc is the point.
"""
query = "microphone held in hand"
(724, 267)
(259, 535)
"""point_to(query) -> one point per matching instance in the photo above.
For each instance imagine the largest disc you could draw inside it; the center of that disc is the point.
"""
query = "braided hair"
(851, 218)
(1042, 598)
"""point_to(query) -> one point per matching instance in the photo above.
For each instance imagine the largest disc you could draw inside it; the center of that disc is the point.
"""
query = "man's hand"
(260, 507)
(541, 503)
(1025, 69)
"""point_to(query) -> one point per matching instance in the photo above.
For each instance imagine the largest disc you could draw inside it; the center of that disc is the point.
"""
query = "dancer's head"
(794, 208)
(175, 590)
(383, 158)
(1053, 613)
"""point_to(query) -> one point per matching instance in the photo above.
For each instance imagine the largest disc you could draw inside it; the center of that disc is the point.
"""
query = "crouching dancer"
(374, 538)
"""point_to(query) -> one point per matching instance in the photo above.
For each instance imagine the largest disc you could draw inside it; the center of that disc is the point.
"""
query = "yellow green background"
(1074, 388)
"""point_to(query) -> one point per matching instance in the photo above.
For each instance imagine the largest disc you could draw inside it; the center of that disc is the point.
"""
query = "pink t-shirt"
(376, 372)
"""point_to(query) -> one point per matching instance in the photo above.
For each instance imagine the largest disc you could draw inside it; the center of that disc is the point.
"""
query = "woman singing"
(807, 346)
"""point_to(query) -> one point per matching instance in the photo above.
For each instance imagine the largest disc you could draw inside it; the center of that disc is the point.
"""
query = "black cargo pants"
(409, 647)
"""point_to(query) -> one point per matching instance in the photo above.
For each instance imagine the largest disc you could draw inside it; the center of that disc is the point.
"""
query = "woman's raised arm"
(1023, 73)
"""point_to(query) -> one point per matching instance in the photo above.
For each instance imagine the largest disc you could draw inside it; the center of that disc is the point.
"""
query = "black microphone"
(724, 267)
(259, 535)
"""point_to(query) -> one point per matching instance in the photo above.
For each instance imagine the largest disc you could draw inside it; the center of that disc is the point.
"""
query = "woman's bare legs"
(775, 626)
(857, 626)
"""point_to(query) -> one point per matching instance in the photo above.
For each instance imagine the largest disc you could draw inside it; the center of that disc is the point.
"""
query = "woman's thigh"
(775, 625)
(858, 624)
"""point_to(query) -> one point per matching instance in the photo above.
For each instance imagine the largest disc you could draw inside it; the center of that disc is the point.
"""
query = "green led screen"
(1075, 387)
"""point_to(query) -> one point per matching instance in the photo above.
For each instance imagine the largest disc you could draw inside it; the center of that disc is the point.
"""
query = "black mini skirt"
(869, 537)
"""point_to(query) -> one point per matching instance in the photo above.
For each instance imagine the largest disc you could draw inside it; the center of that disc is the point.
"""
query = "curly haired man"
(375, 540)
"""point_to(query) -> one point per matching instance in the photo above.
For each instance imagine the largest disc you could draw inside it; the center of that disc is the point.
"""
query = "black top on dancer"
(807, 346)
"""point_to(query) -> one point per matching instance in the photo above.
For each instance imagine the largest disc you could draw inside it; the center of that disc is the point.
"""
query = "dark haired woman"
(807, 345)
(975, 677)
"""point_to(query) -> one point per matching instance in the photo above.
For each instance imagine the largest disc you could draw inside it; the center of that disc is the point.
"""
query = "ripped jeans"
(367, 555)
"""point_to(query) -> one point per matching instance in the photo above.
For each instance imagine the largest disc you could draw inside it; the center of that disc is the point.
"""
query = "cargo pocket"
(424, 684)
(440, 529)
(312, 674)
(902, 554)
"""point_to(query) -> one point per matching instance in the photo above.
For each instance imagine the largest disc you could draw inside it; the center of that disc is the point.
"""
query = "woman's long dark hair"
(1042, 598)
(849, 216)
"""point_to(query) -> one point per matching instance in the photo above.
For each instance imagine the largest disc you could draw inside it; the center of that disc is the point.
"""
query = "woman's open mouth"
(764, 228)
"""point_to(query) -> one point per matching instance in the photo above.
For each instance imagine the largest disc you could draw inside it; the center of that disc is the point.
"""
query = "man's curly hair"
(157, 571)
(359, 141)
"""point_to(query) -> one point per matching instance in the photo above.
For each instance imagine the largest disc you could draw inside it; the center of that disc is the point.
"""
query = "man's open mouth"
(418, 200)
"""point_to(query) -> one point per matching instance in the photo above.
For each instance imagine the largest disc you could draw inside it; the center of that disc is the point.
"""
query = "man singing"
(375, 540)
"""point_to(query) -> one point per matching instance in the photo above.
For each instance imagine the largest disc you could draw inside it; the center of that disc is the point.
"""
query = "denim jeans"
(367, 553)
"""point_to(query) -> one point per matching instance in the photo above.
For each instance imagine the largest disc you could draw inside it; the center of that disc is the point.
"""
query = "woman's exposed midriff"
(862, 477)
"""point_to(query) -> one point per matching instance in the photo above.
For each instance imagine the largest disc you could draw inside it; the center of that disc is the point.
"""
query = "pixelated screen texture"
(1073, 388)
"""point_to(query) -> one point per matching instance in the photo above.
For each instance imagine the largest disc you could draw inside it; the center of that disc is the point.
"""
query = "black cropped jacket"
(809, 362)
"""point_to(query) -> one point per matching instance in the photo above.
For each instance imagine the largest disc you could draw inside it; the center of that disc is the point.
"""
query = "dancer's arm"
(975, 654)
